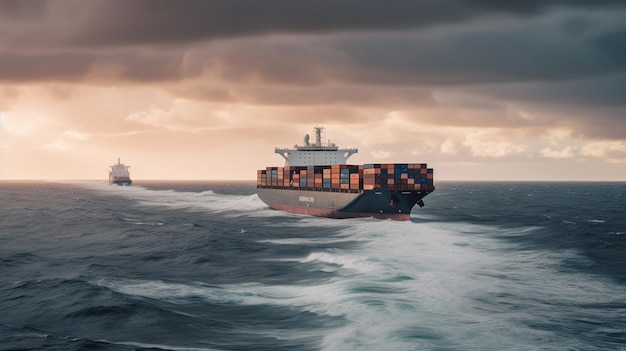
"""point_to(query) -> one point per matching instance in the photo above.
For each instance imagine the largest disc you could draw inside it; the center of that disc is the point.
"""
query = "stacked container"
(398, 176)
(349, 178)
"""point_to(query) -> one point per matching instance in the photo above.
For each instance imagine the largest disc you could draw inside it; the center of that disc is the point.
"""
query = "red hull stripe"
(330, 213)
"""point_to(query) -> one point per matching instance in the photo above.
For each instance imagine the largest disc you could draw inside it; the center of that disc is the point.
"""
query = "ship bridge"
(315, 154)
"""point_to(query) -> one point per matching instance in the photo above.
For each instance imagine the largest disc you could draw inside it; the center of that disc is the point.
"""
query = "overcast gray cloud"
(471, 78)
(151, 21)
(518, 47)
(117, 22)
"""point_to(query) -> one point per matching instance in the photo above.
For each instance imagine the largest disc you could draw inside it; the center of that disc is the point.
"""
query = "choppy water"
(207, 266)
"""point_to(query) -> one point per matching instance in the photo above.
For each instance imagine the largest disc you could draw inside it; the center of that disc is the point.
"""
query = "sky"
(206, 89)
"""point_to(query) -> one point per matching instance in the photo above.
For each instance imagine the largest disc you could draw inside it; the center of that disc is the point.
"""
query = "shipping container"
(395, 176)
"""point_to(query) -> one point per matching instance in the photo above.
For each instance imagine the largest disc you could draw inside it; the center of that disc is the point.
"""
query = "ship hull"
(122, 182)
(377, 203)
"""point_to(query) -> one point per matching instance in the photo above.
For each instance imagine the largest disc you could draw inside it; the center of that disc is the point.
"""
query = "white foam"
(306, 241)
(159, 346)
(434, 279)
(444, 272)
(418, 279)
(208, 200)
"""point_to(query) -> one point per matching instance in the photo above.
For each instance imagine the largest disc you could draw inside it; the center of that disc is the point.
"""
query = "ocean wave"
(157, 346)
(467, 273)
(205, 201)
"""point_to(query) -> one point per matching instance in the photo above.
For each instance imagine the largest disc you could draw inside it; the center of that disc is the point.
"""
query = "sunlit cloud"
(76, 135)
(26, 124)
(450, 147)
(68, 140)
(485, 143)
(381, 154)
(610, 151)
(155, 117)
(567, 152)
(61, 145)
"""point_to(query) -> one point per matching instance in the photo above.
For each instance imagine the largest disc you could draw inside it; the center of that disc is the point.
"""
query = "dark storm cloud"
(392, 98)
(614, 45)
(96, 28)
(483, 57)
(53, 66)
(122, 22)
(397, 52)
(149, 68)
(137, 22)
(593, 107)
(151, 21)
(18, 10)
(602, 91)
(123, 66)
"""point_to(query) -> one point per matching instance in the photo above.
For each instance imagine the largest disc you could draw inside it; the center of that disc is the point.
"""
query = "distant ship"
(119, 174)
(317, 181)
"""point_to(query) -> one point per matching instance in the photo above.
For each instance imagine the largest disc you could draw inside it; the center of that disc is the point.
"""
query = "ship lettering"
(307, 199)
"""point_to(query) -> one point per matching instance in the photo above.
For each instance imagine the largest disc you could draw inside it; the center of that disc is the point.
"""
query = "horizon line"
(254, 180)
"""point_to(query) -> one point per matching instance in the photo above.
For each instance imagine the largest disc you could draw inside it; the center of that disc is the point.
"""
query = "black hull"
(378, 203)
(122, 182)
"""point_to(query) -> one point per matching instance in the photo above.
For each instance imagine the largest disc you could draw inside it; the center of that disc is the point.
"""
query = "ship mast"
(318, 136)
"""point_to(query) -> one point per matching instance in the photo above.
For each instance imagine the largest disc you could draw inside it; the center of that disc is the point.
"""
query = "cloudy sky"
(478, 89)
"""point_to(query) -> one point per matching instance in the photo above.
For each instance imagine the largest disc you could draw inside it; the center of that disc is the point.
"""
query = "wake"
(204, 201)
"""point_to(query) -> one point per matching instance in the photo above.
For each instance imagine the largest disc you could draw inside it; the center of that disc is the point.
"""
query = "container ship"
(316, 180)
(119, 175)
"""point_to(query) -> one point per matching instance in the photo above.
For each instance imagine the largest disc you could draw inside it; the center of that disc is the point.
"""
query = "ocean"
(207, 266)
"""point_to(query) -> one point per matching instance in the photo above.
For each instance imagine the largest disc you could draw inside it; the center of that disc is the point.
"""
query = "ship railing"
(315, 148)
(335, 190)
(331, 190)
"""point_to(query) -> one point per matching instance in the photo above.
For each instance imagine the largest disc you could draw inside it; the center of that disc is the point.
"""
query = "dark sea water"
(207, 266)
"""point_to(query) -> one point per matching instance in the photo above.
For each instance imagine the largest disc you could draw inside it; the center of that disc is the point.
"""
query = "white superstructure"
(316, 154)
(119, 174)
